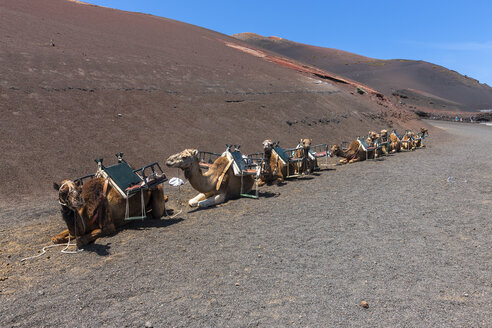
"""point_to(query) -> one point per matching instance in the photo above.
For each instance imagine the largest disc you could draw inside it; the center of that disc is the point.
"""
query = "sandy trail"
(410, 234)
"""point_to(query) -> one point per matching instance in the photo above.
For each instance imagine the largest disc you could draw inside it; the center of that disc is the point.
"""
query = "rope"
(50, 246)
(172, 217)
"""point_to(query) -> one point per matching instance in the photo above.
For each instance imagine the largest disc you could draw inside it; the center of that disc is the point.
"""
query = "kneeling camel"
(216, 185)
(95, 209)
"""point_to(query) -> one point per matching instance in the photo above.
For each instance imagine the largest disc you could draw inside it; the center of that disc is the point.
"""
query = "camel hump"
(92, 192)
(223, 165)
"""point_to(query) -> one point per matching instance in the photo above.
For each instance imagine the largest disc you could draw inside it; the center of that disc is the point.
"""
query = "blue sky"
(454, 34)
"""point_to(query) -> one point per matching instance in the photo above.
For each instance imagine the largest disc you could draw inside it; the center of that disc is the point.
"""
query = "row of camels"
(95, 208)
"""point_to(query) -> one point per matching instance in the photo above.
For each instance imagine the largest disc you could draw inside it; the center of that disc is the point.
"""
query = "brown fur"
(384, 140)
(407, 143)
(307, 165)
(419, 139)
(108, 209)
(395, 144)
(352, 154)
(372, 138)
(275, 169)
(216, 185)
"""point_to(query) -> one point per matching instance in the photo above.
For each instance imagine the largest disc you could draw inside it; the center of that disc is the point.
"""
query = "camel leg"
(357, 159)
(62, 237)
(214, 200)
(194, 201)
(94, 234)
(158, 206)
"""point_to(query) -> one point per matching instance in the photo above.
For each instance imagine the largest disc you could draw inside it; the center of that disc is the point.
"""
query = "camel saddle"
(126, 180)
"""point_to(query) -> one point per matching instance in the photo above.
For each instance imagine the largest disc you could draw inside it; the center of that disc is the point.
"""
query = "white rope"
(50, 246)
(172, 217)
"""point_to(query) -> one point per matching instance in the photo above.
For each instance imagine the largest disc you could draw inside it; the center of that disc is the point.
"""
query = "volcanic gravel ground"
(409, 234)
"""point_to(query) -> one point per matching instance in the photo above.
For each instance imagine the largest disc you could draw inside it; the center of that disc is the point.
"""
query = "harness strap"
(98, 214)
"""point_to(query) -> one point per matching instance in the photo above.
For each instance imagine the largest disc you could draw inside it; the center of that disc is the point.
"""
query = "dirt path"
(410, 234)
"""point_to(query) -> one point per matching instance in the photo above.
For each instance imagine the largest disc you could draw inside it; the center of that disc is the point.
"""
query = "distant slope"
(418, 82)
(79, 81)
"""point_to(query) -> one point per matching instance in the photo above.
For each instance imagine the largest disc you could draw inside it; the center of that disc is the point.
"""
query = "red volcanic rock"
(420, 83)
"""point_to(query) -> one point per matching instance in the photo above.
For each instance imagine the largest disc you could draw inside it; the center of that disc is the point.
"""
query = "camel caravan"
(96, 204)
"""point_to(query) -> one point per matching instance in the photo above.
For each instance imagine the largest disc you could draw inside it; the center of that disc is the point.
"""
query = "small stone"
(364, 304)
(148, 324)
(237, 284)
(465, 294)
(120, 115)
(41, 293)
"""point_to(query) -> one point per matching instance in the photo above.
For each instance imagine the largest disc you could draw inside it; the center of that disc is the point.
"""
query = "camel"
(95, 209)
(354, 153)
(274, 167)
(309, 163)
(419, 138)
(408, 142)
(395, 143)
(386, 142)
(217, 185)
(372, 141)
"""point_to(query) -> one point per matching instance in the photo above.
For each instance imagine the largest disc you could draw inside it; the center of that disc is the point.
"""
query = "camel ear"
(56, 186)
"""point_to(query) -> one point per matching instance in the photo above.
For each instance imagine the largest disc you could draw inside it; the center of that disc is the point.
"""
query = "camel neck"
(202, 182)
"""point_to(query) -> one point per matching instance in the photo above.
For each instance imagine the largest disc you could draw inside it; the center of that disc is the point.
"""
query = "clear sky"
(455, 34)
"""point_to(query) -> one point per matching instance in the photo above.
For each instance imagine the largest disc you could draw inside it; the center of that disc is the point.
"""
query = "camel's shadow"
(101, 250)
(323, 169)
(306, 177)
(151, 223)
(261, 194)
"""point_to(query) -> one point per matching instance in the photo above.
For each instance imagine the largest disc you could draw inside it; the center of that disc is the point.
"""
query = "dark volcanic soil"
(79, 82)
(409, 234)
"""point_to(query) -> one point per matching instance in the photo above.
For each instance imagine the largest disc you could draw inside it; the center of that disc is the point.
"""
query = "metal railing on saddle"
(244, 166)
(319, 151)
(287, 158)
(366, 147)
(207, 158)
(128, 181)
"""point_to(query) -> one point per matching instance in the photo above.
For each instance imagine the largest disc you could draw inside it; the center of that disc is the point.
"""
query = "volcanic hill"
(413, 82)
(79, 81)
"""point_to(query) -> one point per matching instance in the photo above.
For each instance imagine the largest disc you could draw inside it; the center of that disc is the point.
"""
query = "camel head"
(70, 199)
(423, 131)
(69, 194)
(306, 143)
(183, 160)
(384, 133)
(373, 136)
(268, 145)
(334, 150)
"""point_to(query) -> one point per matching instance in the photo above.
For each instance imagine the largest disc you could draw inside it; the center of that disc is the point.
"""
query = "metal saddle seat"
(319, 151)
(244, 166)
(365, 146)
(406, 142)
(207, 159)
(286, 159)
(128, 182)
